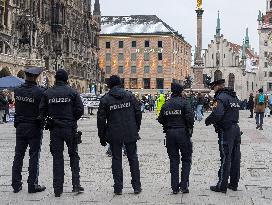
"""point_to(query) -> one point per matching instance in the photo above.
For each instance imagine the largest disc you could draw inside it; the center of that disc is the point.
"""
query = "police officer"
(64, 107)
(28, 131)
(177, 119)
(118, 120)
(225, 118)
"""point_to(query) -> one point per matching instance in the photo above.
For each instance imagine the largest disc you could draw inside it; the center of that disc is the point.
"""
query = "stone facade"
(265, 46)
(53, 34)
(147, 61)
(237, 64)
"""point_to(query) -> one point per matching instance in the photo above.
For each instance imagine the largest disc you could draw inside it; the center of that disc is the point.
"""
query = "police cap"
(114, 80)
(61, 75)
(33, 71)
(217, 82)
(176, 88)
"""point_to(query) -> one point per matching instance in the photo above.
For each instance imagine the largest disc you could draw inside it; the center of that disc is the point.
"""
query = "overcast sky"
(236, 15)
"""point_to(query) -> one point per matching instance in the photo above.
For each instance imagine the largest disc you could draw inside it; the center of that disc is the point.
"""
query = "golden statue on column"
(199, 4)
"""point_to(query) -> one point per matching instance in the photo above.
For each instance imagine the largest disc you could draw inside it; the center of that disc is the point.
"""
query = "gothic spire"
(244, 50)
(247, 39)
(97, 10)
(218, 26)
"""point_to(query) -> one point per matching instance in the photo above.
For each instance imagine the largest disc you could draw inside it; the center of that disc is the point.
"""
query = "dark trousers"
(117, 170)
(229, 147)
(178, 142)
(27, 135)
(251, 112)
(259, 118)
(57, 138)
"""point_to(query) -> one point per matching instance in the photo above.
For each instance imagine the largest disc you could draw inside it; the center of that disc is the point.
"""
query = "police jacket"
(176, 113)
(27, 99)
(63, 104)
(226, 112)
(119, 116)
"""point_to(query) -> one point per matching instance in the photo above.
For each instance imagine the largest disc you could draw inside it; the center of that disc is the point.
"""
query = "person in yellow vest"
(160, 103)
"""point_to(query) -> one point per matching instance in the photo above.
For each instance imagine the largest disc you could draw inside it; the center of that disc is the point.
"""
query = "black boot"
(17, 189)
(216, 189)
(58, 194)
(118, 192)
(78, 189)
(35, 188)
(137, 191)
(185, 191)
(175, 191)
(233, 188)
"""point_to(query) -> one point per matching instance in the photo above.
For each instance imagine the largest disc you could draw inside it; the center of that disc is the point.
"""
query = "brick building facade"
(144, 51)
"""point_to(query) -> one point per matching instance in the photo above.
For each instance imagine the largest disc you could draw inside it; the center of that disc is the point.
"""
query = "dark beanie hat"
(261, 90)
(61, 75)
(114, 81)
(176, 88)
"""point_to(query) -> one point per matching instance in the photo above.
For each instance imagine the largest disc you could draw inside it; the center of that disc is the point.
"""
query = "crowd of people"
(200, 102)
(6, 101)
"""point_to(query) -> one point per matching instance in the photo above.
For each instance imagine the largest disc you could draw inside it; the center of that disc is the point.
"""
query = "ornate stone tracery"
(55, 34)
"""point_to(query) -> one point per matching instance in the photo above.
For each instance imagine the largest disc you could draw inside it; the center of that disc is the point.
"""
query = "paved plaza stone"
(256, 168)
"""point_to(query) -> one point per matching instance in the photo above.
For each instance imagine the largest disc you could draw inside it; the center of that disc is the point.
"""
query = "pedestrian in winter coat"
(160, 103)
(3, 104)
(199, 107)
(251, 104)
(260, 105)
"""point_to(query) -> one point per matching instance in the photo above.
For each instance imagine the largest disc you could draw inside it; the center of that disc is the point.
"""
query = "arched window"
(231, 80)
(247, 85)
(218, 75)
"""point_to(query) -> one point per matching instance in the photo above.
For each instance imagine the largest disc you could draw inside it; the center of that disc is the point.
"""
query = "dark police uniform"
(28, 133)
(177, 119)
(63, 104)
(225, 118)
(118, 121)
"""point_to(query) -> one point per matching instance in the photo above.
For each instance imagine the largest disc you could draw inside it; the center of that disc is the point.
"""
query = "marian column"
(198, 61)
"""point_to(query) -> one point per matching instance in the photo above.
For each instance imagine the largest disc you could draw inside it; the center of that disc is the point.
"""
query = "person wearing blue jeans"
(261, 102)
(259, 120)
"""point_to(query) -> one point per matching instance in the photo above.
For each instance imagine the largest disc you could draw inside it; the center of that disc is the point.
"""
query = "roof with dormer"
(135, 24)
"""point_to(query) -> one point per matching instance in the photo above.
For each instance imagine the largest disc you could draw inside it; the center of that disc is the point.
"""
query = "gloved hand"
(103, 142)
(207, 123)
(216, 129)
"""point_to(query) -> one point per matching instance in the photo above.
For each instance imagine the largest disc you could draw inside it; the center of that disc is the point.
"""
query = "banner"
(91, 101)
(11, 112)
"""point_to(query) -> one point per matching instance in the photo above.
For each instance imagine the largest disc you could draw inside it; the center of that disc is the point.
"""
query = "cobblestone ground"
(256, 169)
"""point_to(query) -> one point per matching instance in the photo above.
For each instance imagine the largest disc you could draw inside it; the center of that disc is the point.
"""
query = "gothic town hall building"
(53, 34)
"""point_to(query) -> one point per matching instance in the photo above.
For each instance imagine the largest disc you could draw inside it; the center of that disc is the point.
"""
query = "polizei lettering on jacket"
(120, 106)
(173, 112)
(59, 100)
(234, 105)
(25, 99)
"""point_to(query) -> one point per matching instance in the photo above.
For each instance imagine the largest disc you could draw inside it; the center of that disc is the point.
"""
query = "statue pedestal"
(198, 77)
